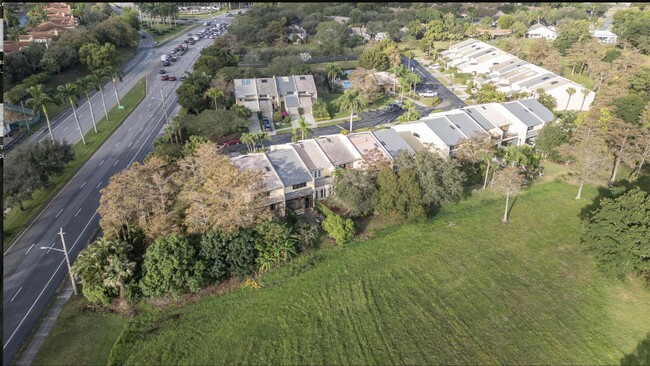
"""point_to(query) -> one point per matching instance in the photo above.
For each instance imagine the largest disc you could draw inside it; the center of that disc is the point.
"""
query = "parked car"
(162, 71)
(232, 141)
(427, 94)
(164, 77)
(143, 36)
(172, 78)
(182, 78)
(392, 107)
(434, 66)
(174, 59)
(189, 34)
(266, 123)
(167, 63)
(173, 51)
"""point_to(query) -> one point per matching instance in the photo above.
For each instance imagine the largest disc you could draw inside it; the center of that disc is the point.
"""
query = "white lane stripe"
(75, 215)
(149, 135)
(130, 143)
(100, 164)
(65, 128)
(114, 164)
(48, 282)
(12, 299)
(30, 248)
(117, 144)
(83, 185)
(57, 215)
(100, 183)
(129, 129)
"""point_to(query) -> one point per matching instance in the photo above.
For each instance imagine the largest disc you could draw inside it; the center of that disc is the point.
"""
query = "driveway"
(444, 93)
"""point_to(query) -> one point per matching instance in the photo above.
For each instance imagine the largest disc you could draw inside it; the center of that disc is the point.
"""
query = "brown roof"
(14, 46)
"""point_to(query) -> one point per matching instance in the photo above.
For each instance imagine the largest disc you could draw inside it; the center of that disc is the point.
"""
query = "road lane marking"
(100, 183)
(57, 215)
(47, 284)
(117, 144)
(75, 215)
(129, 129)
(83, 185)
(149, 135)
(114, 164)
(141, 129)
(100, 164)
(12, 299)
(130, 143)
(30, 248)
(65, 128)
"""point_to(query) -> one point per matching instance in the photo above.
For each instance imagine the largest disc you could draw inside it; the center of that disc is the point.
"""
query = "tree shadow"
(641, 355)
(615, 190)
(512, 206)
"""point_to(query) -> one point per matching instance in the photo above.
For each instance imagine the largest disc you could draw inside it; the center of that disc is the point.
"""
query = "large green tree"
(353, 189)
(618, 233)
(171, 266)
(398, 196)
(97, 57)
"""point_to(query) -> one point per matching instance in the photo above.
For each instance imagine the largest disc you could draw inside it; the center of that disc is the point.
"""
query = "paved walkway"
(35, 343)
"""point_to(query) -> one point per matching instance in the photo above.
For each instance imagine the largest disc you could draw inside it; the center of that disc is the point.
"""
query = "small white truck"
(163, 58)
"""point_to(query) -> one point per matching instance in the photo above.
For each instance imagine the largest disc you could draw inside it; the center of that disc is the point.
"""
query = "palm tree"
(98, 78)
(413, 79)
(116, 272)
(585, 92)
(569, 91)
(38, 100)
(261, 136)
(410, 55)
(304, 128)
(115, 73)
(351, 100)
(85, 84)
(70, 92)
(248, 139)
(333, 70)
(214, 94)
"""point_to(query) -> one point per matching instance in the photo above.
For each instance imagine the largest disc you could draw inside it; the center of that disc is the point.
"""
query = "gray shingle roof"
(259, 162)
(291, 101)
(445, 130)
(538, 80)
(540, 111)
(479, 118)
(523, 114)
(285, 84)
(467, 125)
(393, 142)
(337, 152)
(289, 167)
(311, 155)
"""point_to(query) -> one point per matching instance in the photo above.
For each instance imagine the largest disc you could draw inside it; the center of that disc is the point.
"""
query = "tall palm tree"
(70, 92)
(569, 91)
(333, 70)
(215, 94)
(98, 78)
(248, 139)
(86, 84)
(410, 55)
(304, 128)
(38, 100)
(351, 100)
(584, 92)
(115, 73)
(261, 136)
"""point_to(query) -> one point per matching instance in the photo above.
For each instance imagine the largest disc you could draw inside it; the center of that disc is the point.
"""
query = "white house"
(541, 31)
(604, 36)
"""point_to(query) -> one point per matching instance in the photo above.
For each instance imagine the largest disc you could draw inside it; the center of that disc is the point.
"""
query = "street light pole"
(67, 259)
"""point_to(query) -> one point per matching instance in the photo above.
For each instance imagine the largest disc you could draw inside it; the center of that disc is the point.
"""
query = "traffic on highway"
(34, 265)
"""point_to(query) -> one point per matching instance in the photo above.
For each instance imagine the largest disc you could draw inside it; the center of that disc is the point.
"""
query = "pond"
(346, 84)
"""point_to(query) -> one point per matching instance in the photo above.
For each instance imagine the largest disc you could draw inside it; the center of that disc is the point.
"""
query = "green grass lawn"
(16, 219)
(345, 65)
(101, 330)
(460, 288)
(161, 34)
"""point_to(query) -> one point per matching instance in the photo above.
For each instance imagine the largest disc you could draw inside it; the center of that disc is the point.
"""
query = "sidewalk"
(35, 343)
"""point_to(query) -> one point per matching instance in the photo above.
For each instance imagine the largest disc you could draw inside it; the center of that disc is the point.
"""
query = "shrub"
(306, 235)
(344, 132)
(277, 117)
(301, 111)
(435, 101)
(339, 229)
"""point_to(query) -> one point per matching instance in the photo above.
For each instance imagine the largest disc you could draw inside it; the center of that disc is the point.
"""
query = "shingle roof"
(479, 118)
(365, 142)
(289, 167)
(445, 130)
(337, 152)
(467, 125)
(393, 142)
(538, 108)
(524, 114)
(311, 155)
(261, 163)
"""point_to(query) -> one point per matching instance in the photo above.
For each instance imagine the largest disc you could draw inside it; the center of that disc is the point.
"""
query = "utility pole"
(24, 115)
(67, 259)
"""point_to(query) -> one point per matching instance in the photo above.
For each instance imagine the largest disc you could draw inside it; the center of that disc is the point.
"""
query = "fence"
(28, 122)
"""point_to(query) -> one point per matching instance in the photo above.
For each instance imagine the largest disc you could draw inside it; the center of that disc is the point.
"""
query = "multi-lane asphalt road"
(31, 274)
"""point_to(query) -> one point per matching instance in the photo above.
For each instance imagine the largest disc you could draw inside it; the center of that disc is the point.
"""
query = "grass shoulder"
(15, 219)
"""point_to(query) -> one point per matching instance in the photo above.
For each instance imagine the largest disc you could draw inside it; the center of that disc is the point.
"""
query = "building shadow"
(640, 356)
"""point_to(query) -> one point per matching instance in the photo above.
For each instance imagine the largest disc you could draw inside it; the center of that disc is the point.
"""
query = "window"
(322, 193)
(246, 82)
(416, 135)
(343, 166)
(452, 147)
(329, 191)
(302, 78)
(302, 92)
(263, 96)
(316, 173)
(290, 93)
(267, 168)
(298, 186)
(530, 128)
(264, 80)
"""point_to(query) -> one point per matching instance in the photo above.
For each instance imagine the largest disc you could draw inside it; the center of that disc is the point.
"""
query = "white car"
(434, 66)
(427, 94)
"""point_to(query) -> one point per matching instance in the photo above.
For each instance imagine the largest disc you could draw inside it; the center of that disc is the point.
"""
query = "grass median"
(16, 219)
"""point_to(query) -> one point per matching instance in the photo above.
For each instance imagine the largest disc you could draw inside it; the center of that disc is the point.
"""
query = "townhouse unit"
(274, 186)
(277, 93)
(370, 148)
(339, 151)
(510, 74)
(318, 164)
(392, 142)
(298, 183)
(604, 36)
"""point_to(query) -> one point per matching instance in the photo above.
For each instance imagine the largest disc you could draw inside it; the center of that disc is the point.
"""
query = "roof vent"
(267, 168)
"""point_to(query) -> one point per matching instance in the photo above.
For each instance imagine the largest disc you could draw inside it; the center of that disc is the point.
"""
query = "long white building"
(511, 74)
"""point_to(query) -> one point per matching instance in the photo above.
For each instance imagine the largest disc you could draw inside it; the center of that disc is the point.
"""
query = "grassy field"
(459, 288)
(101, 330)
(16, 219)
(161, 34)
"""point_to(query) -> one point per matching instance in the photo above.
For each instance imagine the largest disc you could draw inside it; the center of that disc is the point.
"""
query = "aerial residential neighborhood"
(326, 183)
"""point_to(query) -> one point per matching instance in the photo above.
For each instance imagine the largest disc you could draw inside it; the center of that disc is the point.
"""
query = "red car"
(164, 77)
(172, 78)
(232, 141)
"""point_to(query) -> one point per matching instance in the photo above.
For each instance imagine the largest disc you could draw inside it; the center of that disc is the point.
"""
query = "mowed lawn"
(460, 288)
